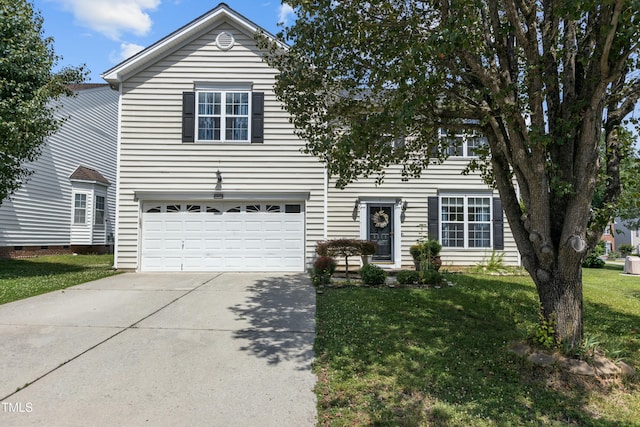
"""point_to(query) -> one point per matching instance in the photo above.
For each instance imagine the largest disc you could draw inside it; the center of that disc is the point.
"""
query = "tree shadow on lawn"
(431, 355)
(281, 311)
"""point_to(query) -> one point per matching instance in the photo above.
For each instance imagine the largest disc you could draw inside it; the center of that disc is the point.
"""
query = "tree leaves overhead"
(28, 84)
(549, 83)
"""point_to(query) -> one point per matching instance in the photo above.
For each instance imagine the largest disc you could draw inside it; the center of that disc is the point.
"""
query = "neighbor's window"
(80, 208)
(463, 144)
(223, 116)
(99, 211)
(465, 221)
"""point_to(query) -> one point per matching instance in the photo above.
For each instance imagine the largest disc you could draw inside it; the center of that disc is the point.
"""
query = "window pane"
(479, 235)
(474, 143)
(209, 128)
(237, 103)
(237, 129)
(80, 209)
(452, 209)
(453, 235)
(209, 103)
(479, 209)
(99, 211)
(454, 146)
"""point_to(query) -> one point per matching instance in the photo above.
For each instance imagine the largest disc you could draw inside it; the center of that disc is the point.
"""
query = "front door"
(380, 230)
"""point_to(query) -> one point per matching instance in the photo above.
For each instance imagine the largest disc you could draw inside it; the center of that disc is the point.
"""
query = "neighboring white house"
(212, 177)
(68, 204)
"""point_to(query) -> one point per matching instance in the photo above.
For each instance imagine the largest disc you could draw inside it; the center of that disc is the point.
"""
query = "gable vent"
(225, 40)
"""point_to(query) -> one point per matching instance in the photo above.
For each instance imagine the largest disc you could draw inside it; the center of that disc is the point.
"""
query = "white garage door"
(229, 236)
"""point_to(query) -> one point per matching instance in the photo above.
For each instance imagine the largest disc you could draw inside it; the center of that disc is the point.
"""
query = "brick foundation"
(34, 251)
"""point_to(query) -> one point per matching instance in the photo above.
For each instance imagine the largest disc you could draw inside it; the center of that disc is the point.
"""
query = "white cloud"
(113, 17)
(127, 50)
(285, 13)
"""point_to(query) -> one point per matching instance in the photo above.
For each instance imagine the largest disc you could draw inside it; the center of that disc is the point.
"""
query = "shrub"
(429, 247)
(408, 277)
(372, 275)
(367, 247)
(626, 249)
(430, 277)
(345, 248)
(593, 260)
(614, 255)
(323, 269)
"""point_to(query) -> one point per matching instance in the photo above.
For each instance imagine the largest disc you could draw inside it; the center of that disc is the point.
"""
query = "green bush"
(323, 269)
(614, 255)
(593, 261)
(431, 277)
(372, 275)
(626, 249)
(408, 277)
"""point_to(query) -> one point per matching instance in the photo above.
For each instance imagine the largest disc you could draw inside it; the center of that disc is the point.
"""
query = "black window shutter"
(188, 116)
(257, 117)
(432, 218)
(498, 224)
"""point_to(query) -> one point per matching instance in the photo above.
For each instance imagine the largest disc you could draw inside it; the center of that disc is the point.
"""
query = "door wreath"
(380, 219)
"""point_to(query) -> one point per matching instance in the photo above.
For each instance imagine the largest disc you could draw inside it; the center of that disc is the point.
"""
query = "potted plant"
(367, 250)
(427, 251)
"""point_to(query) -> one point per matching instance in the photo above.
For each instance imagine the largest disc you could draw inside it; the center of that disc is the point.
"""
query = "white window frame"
(77, 208)
(223, 114)
(462, 146)
(465, 222)
(99, 215)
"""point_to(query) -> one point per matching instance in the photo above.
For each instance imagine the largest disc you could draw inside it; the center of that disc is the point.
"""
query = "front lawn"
(23, 278)
(422, 357)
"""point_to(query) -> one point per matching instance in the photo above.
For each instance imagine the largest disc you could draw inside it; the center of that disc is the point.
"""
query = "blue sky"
(102, 33)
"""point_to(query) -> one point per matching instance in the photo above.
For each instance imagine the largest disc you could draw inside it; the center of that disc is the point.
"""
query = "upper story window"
(463, 144)
(80, 208)
(98, 218)
(223, 116)
(223, 112)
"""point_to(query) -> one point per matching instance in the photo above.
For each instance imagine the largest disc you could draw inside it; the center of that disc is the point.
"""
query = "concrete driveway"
(229, 349)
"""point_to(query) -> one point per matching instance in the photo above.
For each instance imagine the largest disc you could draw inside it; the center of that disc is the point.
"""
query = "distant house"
(212, 176)
(68, 204)
(626, 234)
(608, 237)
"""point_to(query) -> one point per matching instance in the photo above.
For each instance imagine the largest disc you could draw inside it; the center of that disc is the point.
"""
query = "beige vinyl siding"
(434, 181)
(153, 158)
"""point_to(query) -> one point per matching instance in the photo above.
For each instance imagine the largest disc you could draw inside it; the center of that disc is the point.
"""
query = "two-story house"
(212, 176)
(68, 203)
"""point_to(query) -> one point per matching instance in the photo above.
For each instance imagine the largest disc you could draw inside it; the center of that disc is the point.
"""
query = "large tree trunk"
(561, 303)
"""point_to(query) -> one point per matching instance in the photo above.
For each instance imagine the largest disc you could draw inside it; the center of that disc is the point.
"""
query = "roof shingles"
(83, 173)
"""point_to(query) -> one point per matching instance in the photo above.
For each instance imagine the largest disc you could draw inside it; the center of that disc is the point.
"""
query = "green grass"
(23, 278)
(440, 357)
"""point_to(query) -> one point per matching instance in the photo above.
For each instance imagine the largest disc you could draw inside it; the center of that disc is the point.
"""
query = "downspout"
(326, 204)
(118, 149)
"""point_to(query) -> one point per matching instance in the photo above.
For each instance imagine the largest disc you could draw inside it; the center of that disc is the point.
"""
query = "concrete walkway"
(230, 349)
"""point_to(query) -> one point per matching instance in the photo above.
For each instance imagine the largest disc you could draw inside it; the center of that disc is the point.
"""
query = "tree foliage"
(28, 84)
(549, 84)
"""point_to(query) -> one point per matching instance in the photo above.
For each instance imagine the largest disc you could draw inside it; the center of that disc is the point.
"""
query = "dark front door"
(381, 230)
